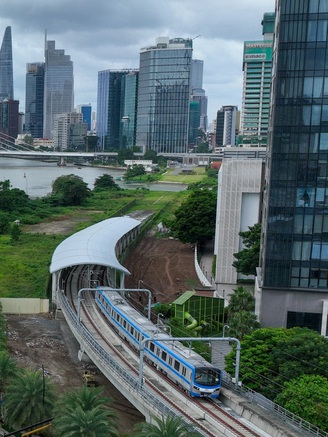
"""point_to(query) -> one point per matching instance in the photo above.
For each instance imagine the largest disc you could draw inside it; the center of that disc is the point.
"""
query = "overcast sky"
(108, 34)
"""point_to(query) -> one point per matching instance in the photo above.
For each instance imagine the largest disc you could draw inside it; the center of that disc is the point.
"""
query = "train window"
(131, 330)
(170, 361)
(152, 347)
(124, 323)
(183, 371)
(164, 355)
(137, 336)
(177, 365)
(117, 316)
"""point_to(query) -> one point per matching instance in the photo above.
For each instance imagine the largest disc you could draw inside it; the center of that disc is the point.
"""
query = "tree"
(240, 313)
(125, 154)
(195, 218)
(106, 182)
(4, 223)
(307, 397)
(12, 199)
(172, 426)
(70, 190)
(248, 259)
(84, 412)
(29, 399)
(273, 356)
(135, 170)
(7, 369)
(15, 233)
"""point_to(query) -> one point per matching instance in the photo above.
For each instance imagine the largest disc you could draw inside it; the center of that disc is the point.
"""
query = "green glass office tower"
(295, 229)
(257, 65)
(164, 95)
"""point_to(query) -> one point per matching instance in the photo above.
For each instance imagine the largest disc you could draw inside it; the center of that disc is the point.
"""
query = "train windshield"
(207, 376)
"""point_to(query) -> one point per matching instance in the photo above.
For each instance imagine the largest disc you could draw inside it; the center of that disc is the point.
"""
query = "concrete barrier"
(24, 305)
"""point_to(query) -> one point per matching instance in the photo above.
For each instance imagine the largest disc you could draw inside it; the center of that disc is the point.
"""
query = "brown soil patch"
(164, 266)
(39, 340)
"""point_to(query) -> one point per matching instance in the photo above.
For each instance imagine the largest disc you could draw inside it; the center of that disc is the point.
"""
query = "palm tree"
(84, 412)
(7, 369)
(172, 426)
(29, 399)
(241, 300)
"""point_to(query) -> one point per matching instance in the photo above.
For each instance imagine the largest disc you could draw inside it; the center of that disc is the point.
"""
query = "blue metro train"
(181, 364)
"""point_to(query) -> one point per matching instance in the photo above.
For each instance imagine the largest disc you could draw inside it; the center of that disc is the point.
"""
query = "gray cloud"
(101, 34)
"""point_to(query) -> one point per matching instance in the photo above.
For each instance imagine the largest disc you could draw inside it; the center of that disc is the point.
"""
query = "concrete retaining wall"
(24, 305)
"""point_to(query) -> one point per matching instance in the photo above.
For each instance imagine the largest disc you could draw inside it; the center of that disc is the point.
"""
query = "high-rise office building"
(257, 66)
(164, 95)
(34, 94)
(58, 86)
(6, 67)
(9, 120)
(226, 126)
(86, 111)
(294, 277)
(69, 131)
(116, 108)
(198, 94)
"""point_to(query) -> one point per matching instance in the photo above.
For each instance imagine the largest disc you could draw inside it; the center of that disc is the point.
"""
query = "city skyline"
(110, 35)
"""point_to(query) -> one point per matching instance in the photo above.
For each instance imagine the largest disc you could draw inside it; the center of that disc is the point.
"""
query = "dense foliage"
(69, 190)
(307, 397)
(172, 426)
(84, 412)
(105, 182)
(248, 258)
(272, 357)
(195, 218)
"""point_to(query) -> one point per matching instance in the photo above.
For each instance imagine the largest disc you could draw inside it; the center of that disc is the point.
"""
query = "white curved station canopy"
(93, 245)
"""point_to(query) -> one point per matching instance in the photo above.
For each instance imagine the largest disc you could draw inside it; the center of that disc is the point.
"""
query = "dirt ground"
(164, 266)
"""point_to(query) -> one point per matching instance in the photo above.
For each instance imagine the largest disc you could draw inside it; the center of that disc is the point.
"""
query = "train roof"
(94, 245)
(152, 330)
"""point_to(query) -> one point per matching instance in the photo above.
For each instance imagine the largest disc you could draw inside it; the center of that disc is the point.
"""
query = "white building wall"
(238, 205)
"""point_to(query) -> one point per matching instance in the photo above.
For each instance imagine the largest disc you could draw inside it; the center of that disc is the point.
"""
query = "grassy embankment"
(24, 267)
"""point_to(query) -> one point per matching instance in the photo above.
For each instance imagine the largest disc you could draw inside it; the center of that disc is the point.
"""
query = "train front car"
(206, 382)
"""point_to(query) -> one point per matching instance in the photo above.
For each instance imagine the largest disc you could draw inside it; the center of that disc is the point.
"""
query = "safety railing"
(154, 403)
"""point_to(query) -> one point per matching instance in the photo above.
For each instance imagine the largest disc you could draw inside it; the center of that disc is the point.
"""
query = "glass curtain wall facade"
(116, 108)
(164, 96)
(6, 67)
(59, 86)
(34, 99)
(129, 110)
(295, 238)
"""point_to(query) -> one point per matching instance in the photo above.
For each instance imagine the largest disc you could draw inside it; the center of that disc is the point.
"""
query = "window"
(177, 365)
(304, 320)
(164, 355)
(152, 347)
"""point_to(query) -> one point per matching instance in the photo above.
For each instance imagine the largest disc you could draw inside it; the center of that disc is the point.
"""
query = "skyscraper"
(34, 99)
(164, 95)
(6, 67)
(257, 65)
(116, 108)
(198, 94)
(226, 126)
(58, 86)
(295, 229)
(86, 111)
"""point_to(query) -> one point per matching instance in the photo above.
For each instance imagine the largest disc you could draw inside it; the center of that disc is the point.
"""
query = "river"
(36, 177)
